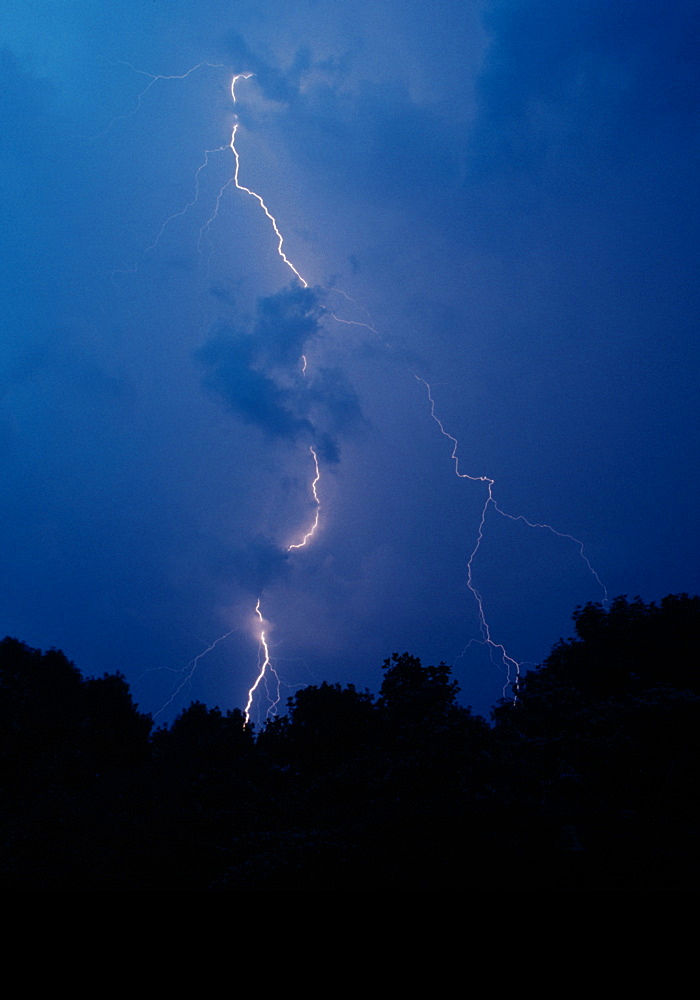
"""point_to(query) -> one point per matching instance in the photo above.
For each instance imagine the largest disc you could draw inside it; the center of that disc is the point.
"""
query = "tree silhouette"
(604, 736)
(587, 780)
(413, 696)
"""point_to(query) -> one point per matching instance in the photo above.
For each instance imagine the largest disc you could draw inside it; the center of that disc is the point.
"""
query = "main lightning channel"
(266, 663)
(312, 530)
(254, 194)
(265, 666)
(153, 78)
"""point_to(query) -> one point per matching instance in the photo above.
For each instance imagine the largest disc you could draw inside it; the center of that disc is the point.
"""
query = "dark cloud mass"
(285, 324)
(230, 359)
(594, 79)
(261, 375)
(256, 566)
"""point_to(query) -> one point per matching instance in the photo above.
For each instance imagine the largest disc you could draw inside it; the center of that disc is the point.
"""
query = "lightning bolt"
(254, 194)
(190, 204)
(234, 81)
(153, 79)
(240, 187)
(264, 648)
(188, 671)
(264, 667)
(264, 659)
(369, 325)
(511, 666)
(312, 530)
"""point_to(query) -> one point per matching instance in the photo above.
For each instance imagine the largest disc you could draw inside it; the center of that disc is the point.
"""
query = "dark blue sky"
(505, 192)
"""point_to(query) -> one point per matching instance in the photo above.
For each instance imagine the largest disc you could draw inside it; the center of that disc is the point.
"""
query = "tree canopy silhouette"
(587, 780)
(604, 735)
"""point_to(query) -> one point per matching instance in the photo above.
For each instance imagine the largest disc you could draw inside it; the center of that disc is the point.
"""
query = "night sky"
(500, 198)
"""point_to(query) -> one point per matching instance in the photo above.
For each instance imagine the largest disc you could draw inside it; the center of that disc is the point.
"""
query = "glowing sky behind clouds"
(507, 191)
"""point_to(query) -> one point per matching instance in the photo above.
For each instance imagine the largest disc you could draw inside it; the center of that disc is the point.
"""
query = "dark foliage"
(69, 752)
(604, 736)
(586, 781)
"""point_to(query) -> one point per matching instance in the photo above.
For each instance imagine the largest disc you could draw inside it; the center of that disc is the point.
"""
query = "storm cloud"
(262, 376)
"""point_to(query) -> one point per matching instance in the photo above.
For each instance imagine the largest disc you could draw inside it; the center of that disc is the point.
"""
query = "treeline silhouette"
(587, 781)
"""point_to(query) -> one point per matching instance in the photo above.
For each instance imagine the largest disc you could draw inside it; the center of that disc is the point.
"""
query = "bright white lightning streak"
(239, 76)
(266, 664)
(512, 666)
(254, 194)
(153, 78)
(264, 647)
(312, 530)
